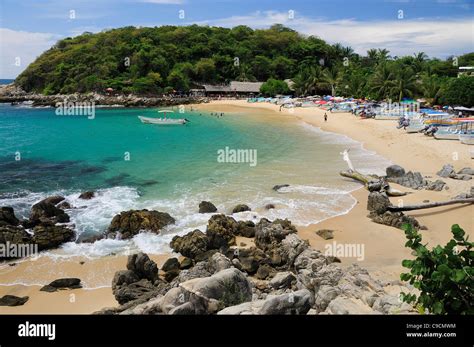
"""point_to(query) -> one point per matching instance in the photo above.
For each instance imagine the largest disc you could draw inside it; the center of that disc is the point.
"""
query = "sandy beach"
(383, 246)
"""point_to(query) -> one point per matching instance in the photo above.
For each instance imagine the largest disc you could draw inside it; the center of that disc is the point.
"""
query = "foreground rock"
(12, 300)
(190, 245)
(129, 223)
(7, 217)
(46, 211)
(241, 208)
(62, 283)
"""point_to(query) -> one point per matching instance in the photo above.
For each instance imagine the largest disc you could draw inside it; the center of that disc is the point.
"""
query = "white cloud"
(437, 38)
(23, 45)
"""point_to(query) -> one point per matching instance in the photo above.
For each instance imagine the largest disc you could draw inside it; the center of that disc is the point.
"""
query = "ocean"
(171, 169)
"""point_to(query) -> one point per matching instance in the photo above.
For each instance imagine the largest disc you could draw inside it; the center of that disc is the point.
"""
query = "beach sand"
(383, 245)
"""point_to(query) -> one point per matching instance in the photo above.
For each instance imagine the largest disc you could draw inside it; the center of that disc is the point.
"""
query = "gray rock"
(466, 171)
(395, 171)
(378, 202)
(298, 302)
(143, 266)
(250, 307)
(171, 264)
(446, 171)
(221, 231)
(437, 185)
(282, 280)
(219, 262)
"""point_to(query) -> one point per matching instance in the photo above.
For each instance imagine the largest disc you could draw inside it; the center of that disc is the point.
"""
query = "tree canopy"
(167, 58)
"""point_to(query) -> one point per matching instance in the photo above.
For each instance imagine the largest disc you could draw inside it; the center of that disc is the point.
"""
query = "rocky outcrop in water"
(241, 208)
(207, 207)
(12, 300)
(129, 223)
(61, 284)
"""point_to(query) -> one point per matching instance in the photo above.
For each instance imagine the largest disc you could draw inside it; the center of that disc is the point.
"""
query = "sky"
(440, 28)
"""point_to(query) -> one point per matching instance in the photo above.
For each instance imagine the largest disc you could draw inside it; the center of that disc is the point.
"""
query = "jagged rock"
(171, 275)
(62, 283)
(130, 223)
(282, 280)
(143, 266)
(412, 180)
(394, 219)
(298, 302)
(221, 231)
(191, 244)
(245, 229)
(325, 295)
(205, 256)
(437, 185)
(207, 207)
(45, 210)
(378, 202)
(279, 186)
(326, 234)
(64, 205)
(460, 177)
(186, 263)
(344, 305)
(171, 264)
(240, 208)
(389, 304)
(51, 236)
(466, 171)
(12, 300)
(269, 235)
(395, 171)
(250, 259)
(249, 307)
(87, 195)
(200, 269)
(446, 171)
(7, 216)
(219, 262)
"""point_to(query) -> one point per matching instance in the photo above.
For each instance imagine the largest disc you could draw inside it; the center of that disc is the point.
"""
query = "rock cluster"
(415, 180)
(464, 174)
(129, 223)
(280, 275)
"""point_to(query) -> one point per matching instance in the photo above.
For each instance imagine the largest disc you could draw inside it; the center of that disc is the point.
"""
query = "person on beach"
(325, 117)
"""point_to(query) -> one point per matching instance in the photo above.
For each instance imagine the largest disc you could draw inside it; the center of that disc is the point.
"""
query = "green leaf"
(407, 263)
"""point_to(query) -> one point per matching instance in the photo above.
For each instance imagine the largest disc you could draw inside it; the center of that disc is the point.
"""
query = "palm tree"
(404, 83)
(245, 74)
(307, 81)
(331, 78)
(372, 55)
(381, 80)
(383, 54)
(431, 87)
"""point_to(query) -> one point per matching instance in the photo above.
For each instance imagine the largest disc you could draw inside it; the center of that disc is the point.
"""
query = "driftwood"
(375, 183)
(430, 205)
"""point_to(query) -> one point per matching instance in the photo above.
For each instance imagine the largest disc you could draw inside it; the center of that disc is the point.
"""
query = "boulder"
(345, 305)
(87, 195)
(249, 307)
(143, 266)
(446, 171)
(7, 217)
(129, 223)
(51, 236)
(283, 280)
(225, 288)
(240, 208)
(207, 207)
(56, 199)
(264, 271)
(62, 283)
(394, 219)
(12, 300)
(64, 205)
(437, 185)
(412, 180)
(186, 263)
(269, 235)
(326, 234)
(191, 244)
(45, 210)
(171, 264)
(219, 262)
(395, 171)
(221, 231)
(250, 259)
(298, 302)
(269, 206)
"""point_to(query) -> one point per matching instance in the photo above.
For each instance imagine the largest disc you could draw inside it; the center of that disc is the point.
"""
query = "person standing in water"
(325, 117)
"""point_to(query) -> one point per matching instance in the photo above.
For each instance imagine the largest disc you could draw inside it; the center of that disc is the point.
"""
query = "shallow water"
(171, 169)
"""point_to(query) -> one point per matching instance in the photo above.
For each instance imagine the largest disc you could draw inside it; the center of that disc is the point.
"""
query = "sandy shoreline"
(383, 246)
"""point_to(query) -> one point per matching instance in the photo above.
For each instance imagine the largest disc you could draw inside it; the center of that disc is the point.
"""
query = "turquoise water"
(172, 168)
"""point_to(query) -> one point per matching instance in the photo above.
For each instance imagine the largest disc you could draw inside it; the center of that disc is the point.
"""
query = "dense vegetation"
(443, 275)
(167, 58)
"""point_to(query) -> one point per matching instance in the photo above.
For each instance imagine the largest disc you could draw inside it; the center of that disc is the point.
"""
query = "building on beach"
(234, 88)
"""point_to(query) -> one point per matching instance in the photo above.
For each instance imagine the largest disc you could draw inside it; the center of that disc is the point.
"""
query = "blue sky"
(438, 27)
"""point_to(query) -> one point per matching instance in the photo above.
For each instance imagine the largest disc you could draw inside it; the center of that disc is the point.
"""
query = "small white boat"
(164, 120)
(467, 139)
